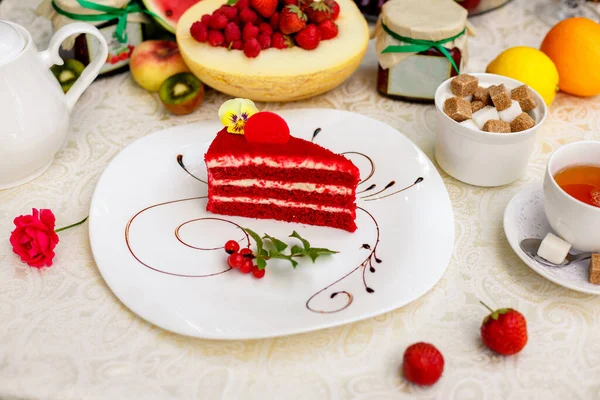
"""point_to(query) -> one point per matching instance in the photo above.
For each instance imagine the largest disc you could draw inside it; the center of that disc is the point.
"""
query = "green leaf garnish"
(275, 249)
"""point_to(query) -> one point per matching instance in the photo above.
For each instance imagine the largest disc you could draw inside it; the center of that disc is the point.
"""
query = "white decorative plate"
(160, 251)
(525, 217)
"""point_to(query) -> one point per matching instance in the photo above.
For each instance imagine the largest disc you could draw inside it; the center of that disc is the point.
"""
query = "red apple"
(153, 61)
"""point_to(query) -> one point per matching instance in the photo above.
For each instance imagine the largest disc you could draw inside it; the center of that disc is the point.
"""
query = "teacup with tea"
(572, 194)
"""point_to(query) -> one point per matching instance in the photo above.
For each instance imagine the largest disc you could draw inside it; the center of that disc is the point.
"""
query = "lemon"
(530, 66)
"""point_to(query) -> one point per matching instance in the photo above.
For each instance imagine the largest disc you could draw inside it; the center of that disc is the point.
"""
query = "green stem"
(486, 306)
(71, 226)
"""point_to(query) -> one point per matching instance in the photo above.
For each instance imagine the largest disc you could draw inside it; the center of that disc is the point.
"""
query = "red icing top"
(296, 149)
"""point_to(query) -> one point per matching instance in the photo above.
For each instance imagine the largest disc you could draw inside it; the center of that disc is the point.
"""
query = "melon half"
(169, 11)
(276, 75)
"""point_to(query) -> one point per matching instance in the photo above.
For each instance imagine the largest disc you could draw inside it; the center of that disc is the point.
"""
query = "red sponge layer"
(285, 174)
(339, 220)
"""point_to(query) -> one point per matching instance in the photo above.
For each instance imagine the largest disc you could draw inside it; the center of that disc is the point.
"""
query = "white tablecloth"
(63, 334)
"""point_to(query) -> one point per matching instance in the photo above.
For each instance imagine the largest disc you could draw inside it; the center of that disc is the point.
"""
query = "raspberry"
(250, 32)
(247, 15)
(278, 41)
(265, 29)
(237, 45)
(252, 49)
(242, 4)
(232, 32)
(199, 31)
(265, 41)
(229, 12)
(215, 38)
(205, 19)
(274, 21)
(218, 20)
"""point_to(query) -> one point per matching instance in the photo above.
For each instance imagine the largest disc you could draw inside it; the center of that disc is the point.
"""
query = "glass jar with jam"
(419, 45)
(83, 47)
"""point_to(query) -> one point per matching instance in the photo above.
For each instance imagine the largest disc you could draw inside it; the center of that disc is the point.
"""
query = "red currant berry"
(246, 252)
(246, 266)
(235, 260)
(232, 246)
(258, 273)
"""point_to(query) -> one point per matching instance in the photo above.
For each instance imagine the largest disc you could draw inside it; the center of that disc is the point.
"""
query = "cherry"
(246, 266)
(246, 252)
(236, 260)
(232, 246)
(258, 273)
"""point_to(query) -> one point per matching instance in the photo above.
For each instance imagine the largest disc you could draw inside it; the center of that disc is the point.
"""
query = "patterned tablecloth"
(64, 335)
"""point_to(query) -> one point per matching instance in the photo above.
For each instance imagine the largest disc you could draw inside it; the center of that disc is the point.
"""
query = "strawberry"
(252, 48)
(335, 8)
(215, 38)
(309, 37)
(274, 21)
(199, 31)
(218, 20)
(237, 45)
(265, 28)
(205, 19)
(266, 8)
(281, 41)
(247, 15)
(290, 3)
(229, 11)
(265, 41)
(318, 12)
(304, 4)
(504, 331)
(328, 29)
(291, 20)
(250, 32)
(422, 364)
(232, 32)
(242, 4)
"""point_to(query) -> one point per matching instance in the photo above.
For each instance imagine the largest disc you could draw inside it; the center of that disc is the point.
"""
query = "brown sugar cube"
(476, 106)
(522, 122)
(483, 95)
(524, 96)
(458, 109)
(495, 125)
(500, 97)
(464, 85)
(595, 269)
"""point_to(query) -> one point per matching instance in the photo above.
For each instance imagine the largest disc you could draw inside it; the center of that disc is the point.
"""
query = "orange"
(574, 46)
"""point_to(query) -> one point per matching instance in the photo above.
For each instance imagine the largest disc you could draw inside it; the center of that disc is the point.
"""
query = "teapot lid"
(11, 42)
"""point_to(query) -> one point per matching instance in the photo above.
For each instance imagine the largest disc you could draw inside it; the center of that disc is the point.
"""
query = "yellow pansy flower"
(235, 112)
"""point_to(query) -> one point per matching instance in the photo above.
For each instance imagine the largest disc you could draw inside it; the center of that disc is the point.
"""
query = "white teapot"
(34, 111)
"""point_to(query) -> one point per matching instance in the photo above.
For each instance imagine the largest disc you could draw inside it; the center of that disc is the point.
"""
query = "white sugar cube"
(470, 124)
(484, 115)
(553, 249)
(511, 112)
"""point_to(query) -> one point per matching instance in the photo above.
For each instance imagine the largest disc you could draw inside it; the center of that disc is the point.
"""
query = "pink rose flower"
(34, 238)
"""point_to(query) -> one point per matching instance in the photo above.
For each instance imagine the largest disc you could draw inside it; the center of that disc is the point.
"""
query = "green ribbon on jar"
(417, 46)
(120, 14)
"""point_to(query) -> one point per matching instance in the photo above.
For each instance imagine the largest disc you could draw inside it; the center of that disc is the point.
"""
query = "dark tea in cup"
(581, 182)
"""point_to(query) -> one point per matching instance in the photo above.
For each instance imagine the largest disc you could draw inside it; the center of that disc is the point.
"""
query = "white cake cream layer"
(266, 184)
(230, 161)
(280, 203)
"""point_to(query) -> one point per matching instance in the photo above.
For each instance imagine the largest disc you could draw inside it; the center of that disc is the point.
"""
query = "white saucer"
(524, 217)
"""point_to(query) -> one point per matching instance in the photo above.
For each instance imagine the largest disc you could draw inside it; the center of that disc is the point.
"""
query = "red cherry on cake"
(267, 127)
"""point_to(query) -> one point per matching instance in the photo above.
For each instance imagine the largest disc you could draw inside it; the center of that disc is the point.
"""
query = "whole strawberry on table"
(255, 25)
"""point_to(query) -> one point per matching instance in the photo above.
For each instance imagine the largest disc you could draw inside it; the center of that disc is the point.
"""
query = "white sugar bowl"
(484, 158)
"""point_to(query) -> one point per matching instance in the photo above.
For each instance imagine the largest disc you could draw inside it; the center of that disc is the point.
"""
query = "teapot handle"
(50, 57)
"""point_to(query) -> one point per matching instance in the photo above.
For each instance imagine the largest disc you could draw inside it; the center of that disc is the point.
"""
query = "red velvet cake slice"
(266, 173)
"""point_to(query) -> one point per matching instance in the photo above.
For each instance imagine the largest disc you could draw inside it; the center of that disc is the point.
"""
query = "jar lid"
(424, 19)
(73, 6)
(11, 42)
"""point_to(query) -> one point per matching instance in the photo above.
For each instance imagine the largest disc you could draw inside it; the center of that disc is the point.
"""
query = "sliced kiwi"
(67, 73)
(181, 93)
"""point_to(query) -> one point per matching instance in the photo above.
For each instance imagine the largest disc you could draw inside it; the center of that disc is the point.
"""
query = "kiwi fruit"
(67, 73)
(181, 93)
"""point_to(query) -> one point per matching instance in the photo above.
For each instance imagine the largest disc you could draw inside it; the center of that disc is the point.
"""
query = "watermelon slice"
(169, 11)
